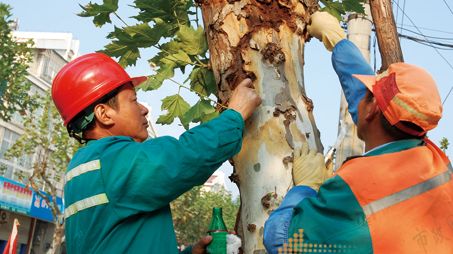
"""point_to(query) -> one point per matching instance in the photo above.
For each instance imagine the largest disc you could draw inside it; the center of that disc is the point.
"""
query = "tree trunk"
(348, 144)
(384, 23)
(57, 236)
(263, 40)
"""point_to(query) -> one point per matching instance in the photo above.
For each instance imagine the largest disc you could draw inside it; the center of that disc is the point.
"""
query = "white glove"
(309, 168)
(233, 244)
(326, 28)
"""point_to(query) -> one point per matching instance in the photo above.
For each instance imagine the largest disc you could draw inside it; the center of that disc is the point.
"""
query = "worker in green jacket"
(119, 185)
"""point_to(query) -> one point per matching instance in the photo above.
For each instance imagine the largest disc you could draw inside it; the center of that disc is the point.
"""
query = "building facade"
(51, 52)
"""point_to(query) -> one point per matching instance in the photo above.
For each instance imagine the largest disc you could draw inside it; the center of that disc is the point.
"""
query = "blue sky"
(320, 80)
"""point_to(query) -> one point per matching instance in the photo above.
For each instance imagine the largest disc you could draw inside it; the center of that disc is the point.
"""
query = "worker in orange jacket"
(395, 198)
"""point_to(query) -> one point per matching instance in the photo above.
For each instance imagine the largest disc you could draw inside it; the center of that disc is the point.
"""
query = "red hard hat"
(85, 80)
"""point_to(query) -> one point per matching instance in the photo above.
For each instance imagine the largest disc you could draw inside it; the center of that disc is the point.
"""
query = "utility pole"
(359, 32)
(387, 36)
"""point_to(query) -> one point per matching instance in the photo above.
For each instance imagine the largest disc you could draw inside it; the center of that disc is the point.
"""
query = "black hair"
(74, 130)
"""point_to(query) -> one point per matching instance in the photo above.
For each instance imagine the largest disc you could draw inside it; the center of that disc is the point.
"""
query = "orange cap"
(406, 92)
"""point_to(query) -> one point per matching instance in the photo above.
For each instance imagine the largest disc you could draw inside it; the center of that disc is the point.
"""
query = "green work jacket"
(117, 191)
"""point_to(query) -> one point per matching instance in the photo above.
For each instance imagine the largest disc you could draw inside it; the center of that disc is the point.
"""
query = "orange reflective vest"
(407, 198)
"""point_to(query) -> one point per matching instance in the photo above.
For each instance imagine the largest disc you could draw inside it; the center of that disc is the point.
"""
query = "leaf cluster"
(172, 27)
(46, 139)
(15, 58)
(165, 25)
(193, 210)
(444, 144)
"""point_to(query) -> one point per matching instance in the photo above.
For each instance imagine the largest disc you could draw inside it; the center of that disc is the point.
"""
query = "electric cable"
(445, 59)
(446, 97)
(448, 6)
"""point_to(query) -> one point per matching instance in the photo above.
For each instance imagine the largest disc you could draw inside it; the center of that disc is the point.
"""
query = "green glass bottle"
(218, 231)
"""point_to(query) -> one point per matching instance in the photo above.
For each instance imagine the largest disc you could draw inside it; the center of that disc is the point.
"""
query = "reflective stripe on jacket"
(407, 198)
(397, 202)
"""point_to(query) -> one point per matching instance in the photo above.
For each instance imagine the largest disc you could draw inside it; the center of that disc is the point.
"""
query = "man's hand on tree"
(244, 99)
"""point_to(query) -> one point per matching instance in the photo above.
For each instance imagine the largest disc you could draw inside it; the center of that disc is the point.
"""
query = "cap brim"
(138, 80)
(367, 80)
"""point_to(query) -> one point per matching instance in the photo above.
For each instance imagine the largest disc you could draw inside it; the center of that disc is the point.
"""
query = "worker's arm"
(276, 228)
(309, 173)
(347, 60)
(159, 170)
(333, 217)
(346, 57)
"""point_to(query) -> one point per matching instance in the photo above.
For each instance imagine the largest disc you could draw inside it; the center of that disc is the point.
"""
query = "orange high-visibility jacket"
(399, 202)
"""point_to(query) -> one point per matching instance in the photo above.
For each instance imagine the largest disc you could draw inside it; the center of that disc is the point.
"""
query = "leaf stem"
(199, 94)
(124, 22)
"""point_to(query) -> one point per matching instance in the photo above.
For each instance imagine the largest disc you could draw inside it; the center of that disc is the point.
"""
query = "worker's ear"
(372, 110)
(104, 113)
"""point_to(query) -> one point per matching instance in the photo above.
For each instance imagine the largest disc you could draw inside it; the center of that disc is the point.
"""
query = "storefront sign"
(17, 198)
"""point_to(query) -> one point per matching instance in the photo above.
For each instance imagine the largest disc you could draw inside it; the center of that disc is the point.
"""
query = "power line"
(397, 10)
(430, 29)
(448, 6)
(447, 96)
(434, 44)
(445, 59)
(428, 36)
(402, 16)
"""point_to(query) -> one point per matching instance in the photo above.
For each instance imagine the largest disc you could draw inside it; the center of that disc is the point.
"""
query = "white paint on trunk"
(268, 140)
(271, 49)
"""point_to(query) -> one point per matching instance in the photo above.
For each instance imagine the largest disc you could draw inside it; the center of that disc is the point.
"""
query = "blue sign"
(41, 210)
(16, 197)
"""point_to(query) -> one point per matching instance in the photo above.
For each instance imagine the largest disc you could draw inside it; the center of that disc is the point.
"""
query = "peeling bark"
(263, 40)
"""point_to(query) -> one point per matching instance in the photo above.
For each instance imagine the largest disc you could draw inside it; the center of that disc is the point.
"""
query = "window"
(9, 138)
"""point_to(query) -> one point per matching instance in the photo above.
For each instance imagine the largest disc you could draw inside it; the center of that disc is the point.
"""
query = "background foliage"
(45, 138)
(173, 28)
(192, 213)
(15, 57)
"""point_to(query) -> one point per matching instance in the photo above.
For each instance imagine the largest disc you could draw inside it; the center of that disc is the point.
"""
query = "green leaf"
(170, 11)
(202, 81)
(335, 10)
(354, 6)
(176, 106)
(144, 36)
(101, 13)
(155, 81)
(123, 46)
(209, 117)
(193, 42)
(167, 64)
(198, 111)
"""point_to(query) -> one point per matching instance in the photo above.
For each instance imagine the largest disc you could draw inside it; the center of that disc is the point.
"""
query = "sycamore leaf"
(198, 111)
(202, 81)
(155, 81)
(144, 36)
(100, 13)
(180, 59)
(335, 9)
(167, 65)
(172, 12)
(175, 106)
(209, 117)
(354, 6)
(193, 42)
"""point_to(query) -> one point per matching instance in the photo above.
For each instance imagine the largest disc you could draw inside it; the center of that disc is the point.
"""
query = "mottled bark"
(263, 40)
